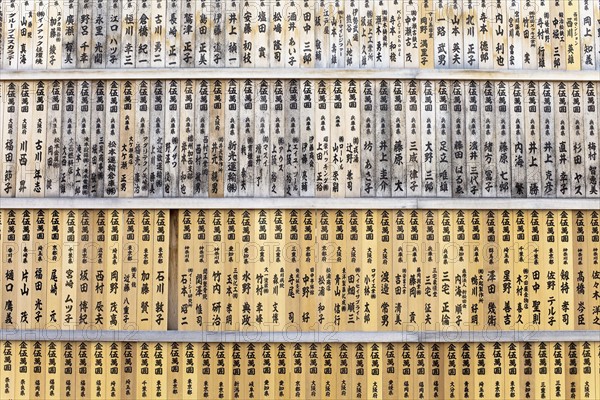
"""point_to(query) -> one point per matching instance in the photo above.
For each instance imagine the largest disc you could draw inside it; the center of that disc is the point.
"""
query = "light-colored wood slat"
(158, 104)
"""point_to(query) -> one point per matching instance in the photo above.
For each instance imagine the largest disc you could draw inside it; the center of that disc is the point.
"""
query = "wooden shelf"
(448, 336)
(281, 203)
(300, 73)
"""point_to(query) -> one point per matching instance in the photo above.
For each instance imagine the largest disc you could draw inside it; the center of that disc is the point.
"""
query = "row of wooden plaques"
(299, 270)
(477, 34)
(291, 138)
(154, 370)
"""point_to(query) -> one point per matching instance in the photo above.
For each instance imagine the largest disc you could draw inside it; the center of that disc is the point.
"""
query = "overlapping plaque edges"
(190, 370)
(292, 138)
(485, 34)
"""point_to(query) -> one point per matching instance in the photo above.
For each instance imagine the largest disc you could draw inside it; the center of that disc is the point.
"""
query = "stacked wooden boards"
(299, 138)
(428, 34)
(84, 269)
(387, 270)
(152, 370)
(117, 100)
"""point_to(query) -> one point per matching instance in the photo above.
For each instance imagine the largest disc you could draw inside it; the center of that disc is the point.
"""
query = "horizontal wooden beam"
(449, 336)
(301, 203)
(301, 73)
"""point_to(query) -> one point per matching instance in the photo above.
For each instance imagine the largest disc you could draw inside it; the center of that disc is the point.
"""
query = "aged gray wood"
(142, 139)
(307, 139)
(143, 34)
(443, 139)
(201, 139)
(99, 34)
(158, 104)
(98, 124)
(85, 29)
(399, 139)
(231, 131)
(246, 139)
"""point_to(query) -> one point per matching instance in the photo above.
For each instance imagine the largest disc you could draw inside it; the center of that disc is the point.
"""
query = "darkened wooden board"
(428, 138)
(382, 139)
(98, 141)
(68, 137)
(246, 139)
(126, 139)
(338, 141)
(518, 144)
(261, 139)
(399, 138)
(307, 139)
(231, 132)
(187, 146)
(141, 168)
(562, 140)
(367, 138)
(323, 138)
(276, 152)
(533, 146)
(158, 105)
(503, 138)
(83, 139)
(201, 139)
(171, 139)
(351, 156)
(473, 148)
(112, 147)
(489, 151)
(293, 151)
(459, 143)
(548, 153)
(576, 92)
